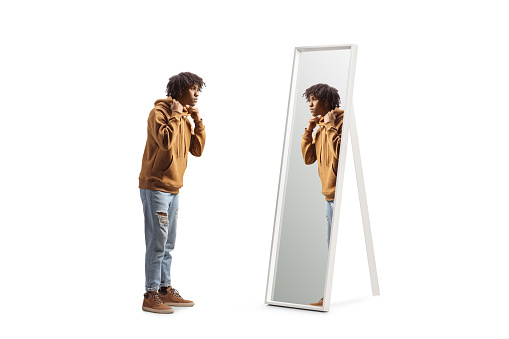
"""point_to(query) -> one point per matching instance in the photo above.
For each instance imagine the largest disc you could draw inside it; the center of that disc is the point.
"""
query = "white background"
(78, 81)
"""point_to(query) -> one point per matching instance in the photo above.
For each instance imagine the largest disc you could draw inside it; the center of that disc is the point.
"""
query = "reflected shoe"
(152, 303)
(318, 303)
(171, 297)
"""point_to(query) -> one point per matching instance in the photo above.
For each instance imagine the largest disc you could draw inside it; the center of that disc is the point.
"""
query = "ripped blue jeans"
(161, 213)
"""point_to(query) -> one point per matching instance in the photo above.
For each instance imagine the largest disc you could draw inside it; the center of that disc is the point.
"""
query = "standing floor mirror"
(311, 179)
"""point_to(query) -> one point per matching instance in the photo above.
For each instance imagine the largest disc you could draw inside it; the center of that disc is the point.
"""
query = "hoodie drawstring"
(324, 158)
(324, 148)
(180, 139)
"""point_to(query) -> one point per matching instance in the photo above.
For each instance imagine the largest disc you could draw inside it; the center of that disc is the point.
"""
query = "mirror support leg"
(364, 205)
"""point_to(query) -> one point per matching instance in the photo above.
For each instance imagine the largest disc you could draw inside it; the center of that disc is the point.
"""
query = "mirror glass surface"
(301, 252)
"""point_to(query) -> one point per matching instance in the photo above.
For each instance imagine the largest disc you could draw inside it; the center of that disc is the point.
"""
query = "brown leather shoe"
(318, 303)
(152, 303)
(171, 296)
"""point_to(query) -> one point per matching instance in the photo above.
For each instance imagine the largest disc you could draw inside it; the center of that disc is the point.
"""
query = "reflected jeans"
(329, 208)
(161, 212)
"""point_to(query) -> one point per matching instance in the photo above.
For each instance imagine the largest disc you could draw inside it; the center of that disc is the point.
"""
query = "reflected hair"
(181, 81)
(324, 92)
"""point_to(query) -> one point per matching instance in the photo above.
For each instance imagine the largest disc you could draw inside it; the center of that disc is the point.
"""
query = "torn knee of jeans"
(163, 218)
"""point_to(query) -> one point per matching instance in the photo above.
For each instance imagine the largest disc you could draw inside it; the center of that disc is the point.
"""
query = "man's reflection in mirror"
(324, 103)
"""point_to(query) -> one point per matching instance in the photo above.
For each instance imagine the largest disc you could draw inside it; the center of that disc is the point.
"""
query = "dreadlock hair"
(325, 92)
(181, 81)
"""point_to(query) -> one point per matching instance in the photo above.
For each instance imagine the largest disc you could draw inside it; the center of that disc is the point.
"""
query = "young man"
(170, 136)
(324, 106)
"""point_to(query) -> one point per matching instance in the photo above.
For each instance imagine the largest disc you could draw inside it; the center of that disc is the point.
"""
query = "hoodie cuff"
(198, 125)
(307, 134)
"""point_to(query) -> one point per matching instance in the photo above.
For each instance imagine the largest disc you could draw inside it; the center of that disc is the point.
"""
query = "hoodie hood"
(166, 105)
(337, 113)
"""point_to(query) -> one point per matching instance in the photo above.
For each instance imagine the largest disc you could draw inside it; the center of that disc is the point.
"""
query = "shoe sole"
(180, 304)
(153, 310)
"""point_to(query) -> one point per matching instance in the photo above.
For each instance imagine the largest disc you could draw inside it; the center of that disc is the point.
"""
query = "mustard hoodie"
(325, 148)
(169, 139)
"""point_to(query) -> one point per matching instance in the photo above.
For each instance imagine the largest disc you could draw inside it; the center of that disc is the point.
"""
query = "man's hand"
(312, 123)
(195, 113)
(176, 107)
(329, 117)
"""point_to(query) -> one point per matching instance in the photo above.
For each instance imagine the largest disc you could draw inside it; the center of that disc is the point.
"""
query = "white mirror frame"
(339, 180)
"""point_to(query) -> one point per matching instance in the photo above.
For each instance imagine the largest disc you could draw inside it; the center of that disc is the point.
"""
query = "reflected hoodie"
(169, 139)
(324, 147)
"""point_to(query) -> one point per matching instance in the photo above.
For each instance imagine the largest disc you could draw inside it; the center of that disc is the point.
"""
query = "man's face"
(317, 106)
(189, 96)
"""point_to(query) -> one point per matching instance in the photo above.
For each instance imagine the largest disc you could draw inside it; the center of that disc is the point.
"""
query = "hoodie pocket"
(162, 162)
(334, 170)
(169, 163)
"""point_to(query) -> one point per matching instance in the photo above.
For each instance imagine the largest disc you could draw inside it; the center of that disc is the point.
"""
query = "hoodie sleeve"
(308, 147)
(162, 129)
(333, 132)
(197, 139)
